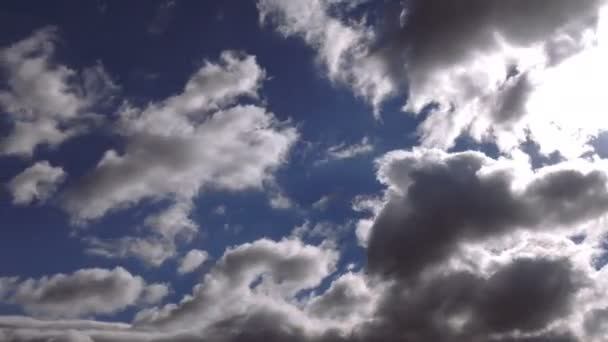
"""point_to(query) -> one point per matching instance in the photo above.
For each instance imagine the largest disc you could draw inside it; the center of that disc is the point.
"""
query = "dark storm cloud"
(447, 200)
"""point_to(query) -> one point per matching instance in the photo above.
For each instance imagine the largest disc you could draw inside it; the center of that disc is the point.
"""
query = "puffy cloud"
(348, 298)
(36, 183)
(488, 74)
(47, 103)
(85, 292)
(438, 200)
(191, 261)
(254, 276)
(176, 148)
(188, 142)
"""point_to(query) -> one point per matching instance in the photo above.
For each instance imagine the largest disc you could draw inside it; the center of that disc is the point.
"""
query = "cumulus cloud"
(439, 199)
(460, 247)
(86, 292)
(47, 102)
(496, 81)
(191, 261)
(188, 142)
(251, 294)
(246, 279)
(175, 148)
(36, 183)
(469, 65)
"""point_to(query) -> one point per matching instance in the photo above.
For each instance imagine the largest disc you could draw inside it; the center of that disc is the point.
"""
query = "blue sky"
(310, 170)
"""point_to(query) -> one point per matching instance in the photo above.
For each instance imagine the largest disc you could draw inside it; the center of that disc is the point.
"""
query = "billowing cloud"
(250, 277)
(46, 102)
(343, 151)
(482, 74)
(192, 260)
(188, 142)
(196, 140)
(439, 199)
(85, 292)
(36, 183)
(495, 80)
(250, 294)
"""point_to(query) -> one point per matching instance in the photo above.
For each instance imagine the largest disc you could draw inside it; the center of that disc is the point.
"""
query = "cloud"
(497, 82)
(252, 293)
(188, 142)
(46, 102)
(439, 199)
(151, 250)
(247, 278)
(191, 261)
(86, 292)
(278, 200)
(36, 183)
(343, 47)
(322, 203)
(468, 66)
(343, 151)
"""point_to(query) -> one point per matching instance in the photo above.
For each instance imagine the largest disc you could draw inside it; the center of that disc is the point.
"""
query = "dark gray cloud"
(448, 198)
(435, 34)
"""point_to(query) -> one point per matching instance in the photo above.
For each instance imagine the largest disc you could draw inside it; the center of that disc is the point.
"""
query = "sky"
(303, 170)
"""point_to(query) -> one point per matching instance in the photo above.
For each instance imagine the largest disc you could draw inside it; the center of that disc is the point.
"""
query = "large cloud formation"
(461, 247)
(493, 70)
(175, 148)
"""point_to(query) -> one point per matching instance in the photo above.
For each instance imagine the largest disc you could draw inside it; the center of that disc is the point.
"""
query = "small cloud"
(191, 261)
(220, 210)
(322, 203)
(343, 151)
(279, 201)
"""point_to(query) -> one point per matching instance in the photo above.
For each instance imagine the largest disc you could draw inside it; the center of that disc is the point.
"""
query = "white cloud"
(260, 275)
(279, 200)
(322, 203)
(46, 102)
(188, 142)
(343, 151)
(152, 250)
(191, 261)
(36, 183)
(85, 292)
